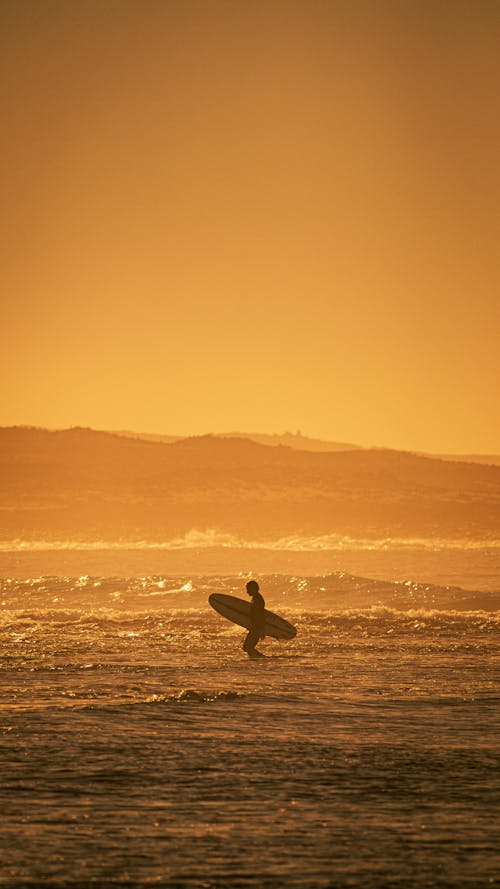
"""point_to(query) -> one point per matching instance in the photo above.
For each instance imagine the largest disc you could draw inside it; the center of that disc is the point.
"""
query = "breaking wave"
(214, 538)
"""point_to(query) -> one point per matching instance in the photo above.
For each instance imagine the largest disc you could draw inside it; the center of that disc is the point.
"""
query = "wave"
(217, 539)
(188, 619)
(62, 598)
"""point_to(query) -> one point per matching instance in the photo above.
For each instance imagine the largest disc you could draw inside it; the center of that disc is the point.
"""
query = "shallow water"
(139, 745)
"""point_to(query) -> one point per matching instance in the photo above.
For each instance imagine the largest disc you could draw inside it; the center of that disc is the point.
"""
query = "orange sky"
(235, 214)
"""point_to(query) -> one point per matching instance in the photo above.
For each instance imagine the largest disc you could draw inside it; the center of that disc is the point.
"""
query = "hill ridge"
(91, 484)
(295, 441)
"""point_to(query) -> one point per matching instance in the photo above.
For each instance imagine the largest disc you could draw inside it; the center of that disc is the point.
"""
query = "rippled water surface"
(139, 745)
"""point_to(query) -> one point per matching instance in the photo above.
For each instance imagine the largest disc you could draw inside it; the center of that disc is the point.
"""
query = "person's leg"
(250, 643)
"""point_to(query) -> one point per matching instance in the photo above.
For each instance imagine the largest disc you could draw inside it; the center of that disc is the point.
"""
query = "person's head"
(252, 587)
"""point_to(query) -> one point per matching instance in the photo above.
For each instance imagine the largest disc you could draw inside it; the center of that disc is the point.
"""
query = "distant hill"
(304, 443)
(288, 439)
(88, 485)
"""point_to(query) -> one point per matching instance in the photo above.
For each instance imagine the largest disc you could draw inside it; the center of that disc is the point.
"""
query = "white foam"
(215, 538)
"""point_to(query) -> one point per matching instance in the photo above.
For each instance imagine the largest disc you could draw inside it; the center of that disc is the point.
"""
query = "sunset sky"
(254, 215)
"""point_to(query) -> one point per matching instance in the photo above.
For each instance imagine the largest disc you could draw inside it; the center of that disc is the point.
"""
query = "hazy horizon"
(294, 433)
(297, 435)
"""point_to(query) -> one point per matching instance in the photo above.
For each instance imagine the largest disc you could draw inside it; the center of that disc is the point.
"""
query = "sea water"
(141, 747)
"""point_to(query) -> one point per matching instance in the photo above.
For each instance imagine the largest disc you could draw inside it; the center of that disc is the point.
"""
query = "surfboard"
(238, 611)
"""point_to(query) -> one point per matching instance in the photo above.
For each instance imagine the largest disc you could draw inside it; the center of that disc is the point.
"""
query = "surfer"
(257, 619)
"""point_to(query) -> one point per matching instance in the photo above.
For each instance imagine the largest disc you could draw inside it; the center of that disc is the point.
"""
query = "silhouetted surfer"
(257, 619)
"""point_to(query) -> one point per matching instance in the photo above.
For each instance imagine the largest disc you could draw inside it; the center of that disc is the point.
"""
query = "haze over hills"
(288, 439)
(80, 484)
(304, 443)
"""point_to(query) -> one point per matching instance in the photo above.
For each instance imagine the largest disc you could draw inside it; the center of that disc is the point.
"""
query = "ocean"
(141, 747)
